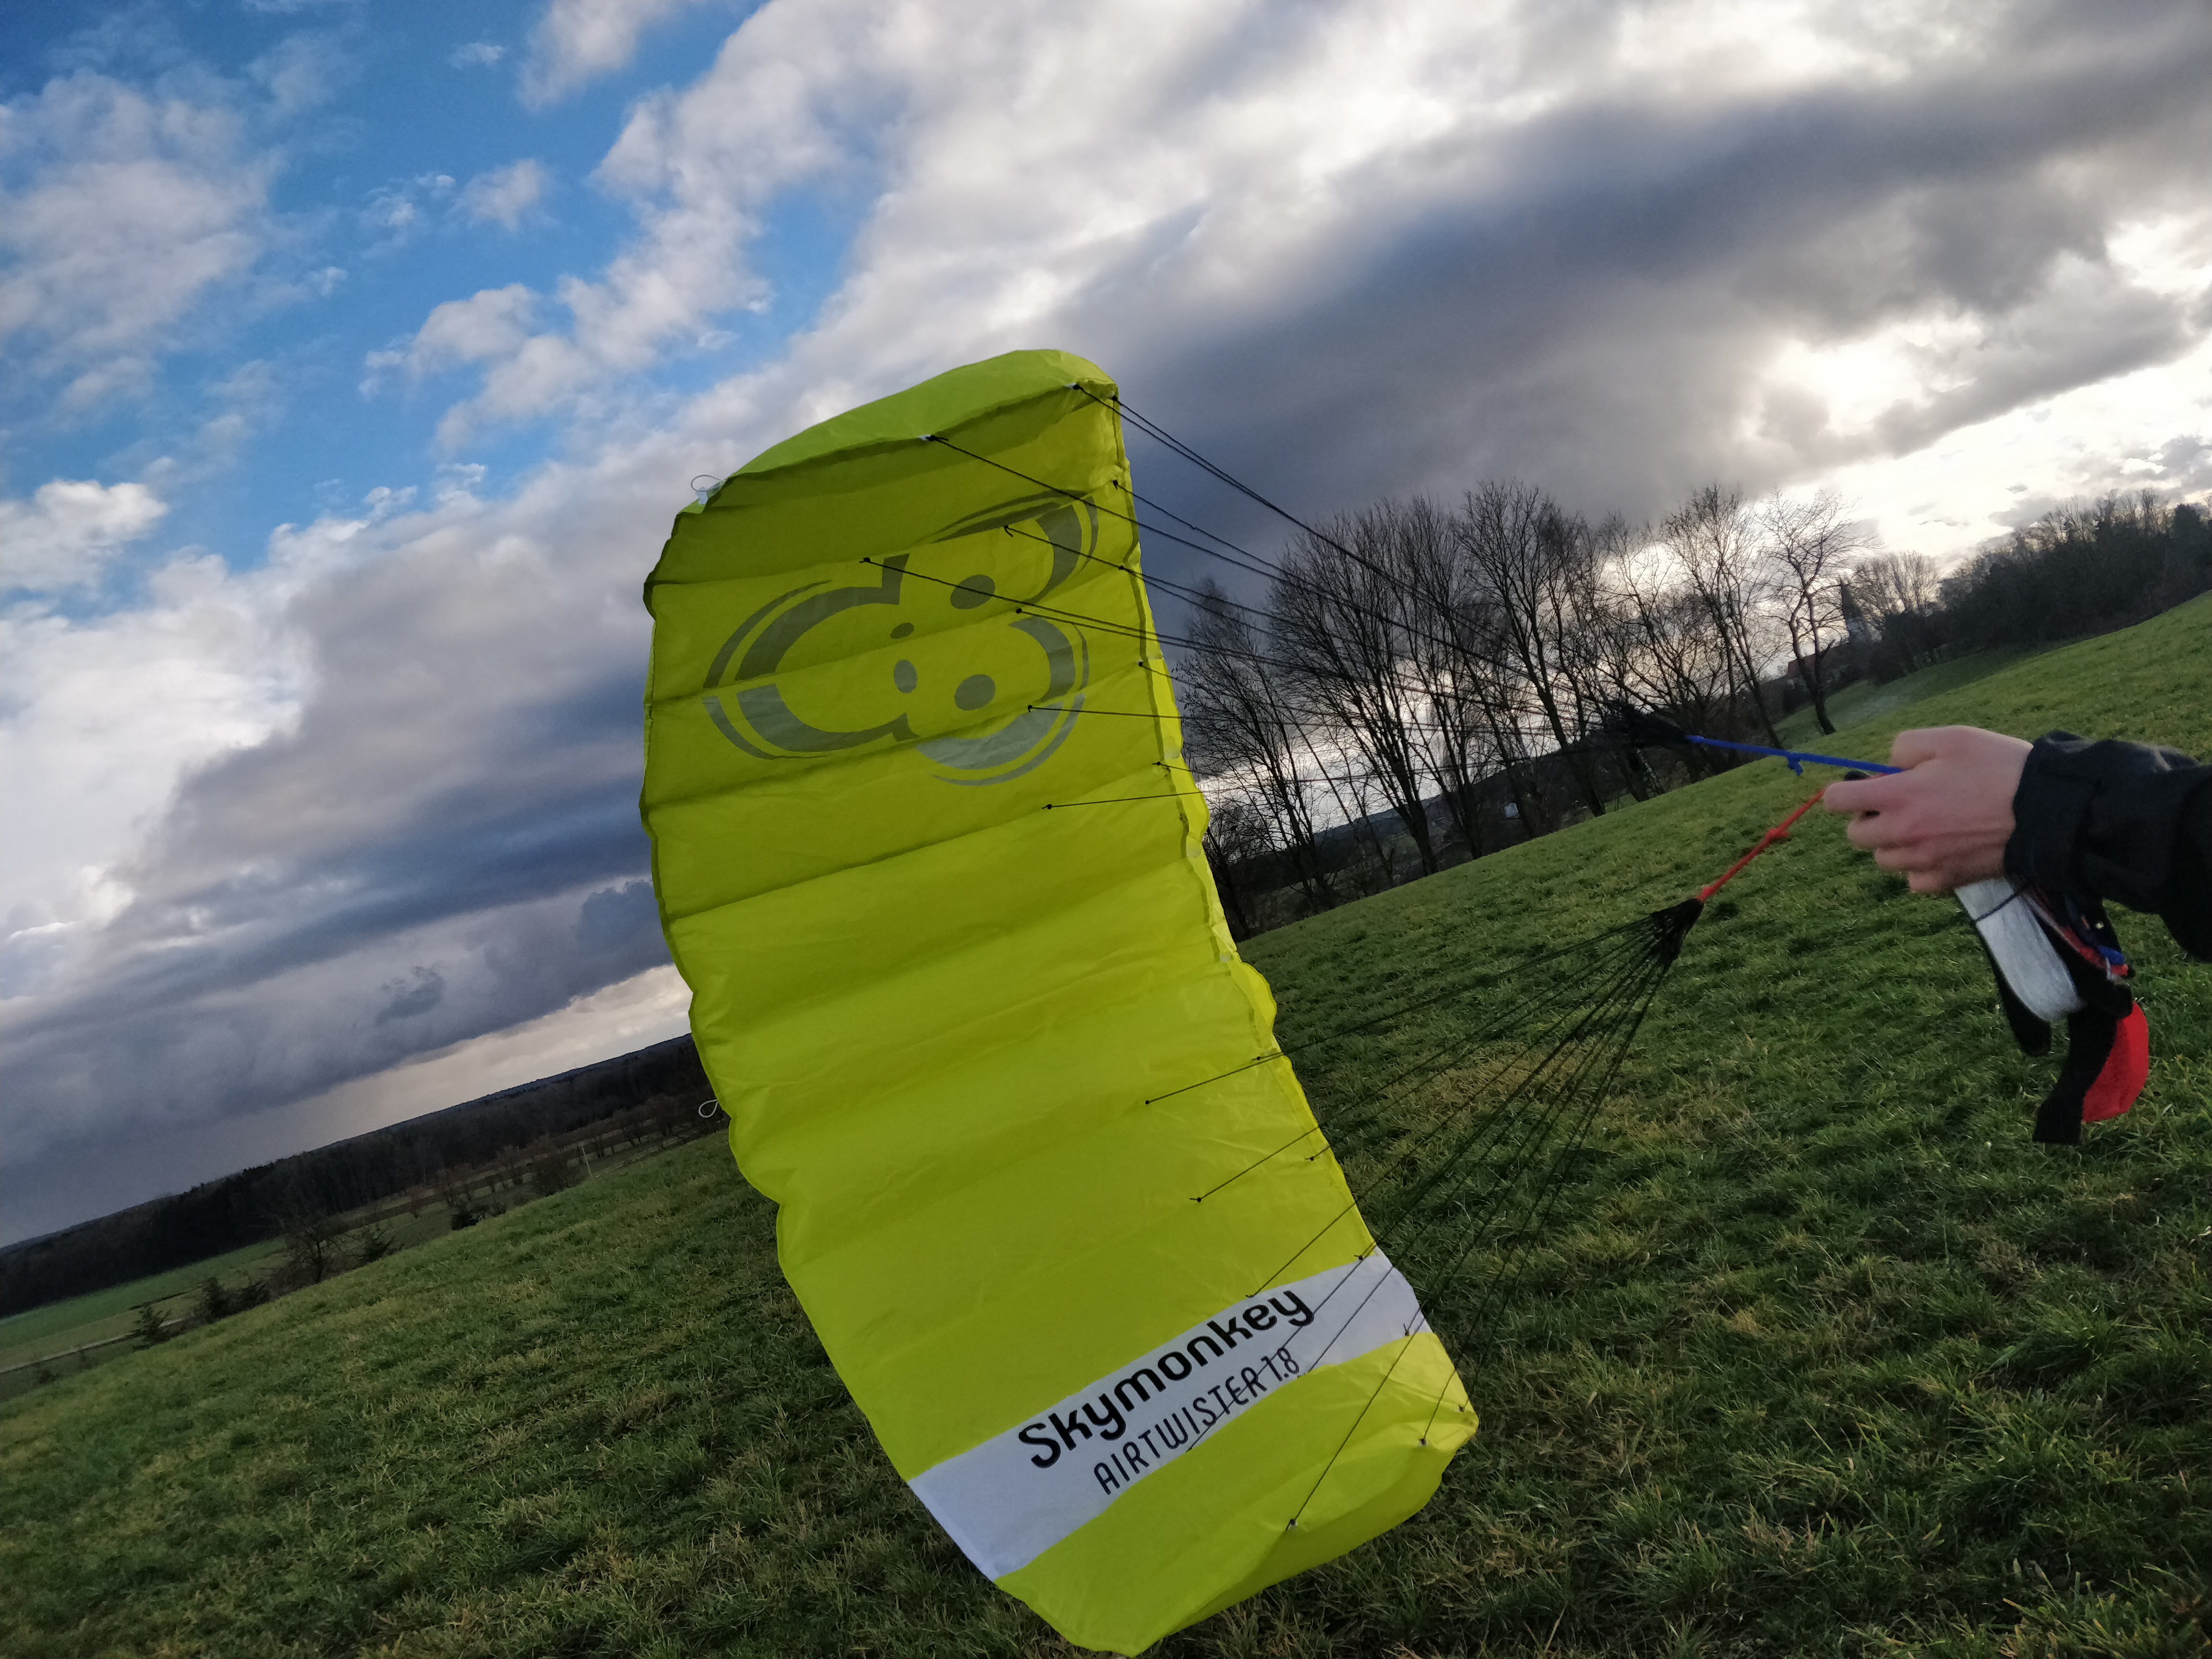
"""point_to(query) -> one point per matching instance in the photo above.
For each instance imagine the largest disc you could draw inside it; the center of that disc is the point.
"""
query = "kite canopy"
(961, 980)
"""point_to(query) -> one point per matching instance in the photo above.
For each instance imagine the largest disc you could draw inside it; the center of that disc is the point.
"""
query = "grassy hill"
(1819, 1354)
(1865, 701)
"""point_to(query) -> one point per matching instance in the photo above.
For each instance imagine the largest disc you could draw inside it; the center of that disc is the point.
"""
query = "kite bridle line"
(1152, 430)
(1497, 1126)
(1797, 759)
(1617, 1012)
(1198, 597)
(1247, 559)
(1243, 559)
(1511, 1018)
(1608, 1020)
(1149, 637)
(1159, 434)
(1615, 940)
(1618, 1009)
(1576, 1019)
(1507, 1170)
(1258, 566)
(1486, 978)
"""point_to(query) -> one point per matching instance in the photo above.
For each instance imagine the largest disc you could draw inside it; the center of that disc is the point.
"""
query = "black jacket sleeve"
(2122, 821)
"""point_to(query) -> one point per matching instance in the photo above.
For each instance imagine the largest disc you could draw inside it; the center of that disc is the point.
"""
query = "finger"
(1924, 743)
(1932, 881)
(1865, 795)
(1903, 859)
(1874, 829)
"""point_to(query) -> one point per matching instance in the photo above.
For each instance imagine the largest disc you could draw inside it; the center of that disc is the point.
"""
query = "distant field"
(1819, 1355)
(59, 1331)
(83, 1319)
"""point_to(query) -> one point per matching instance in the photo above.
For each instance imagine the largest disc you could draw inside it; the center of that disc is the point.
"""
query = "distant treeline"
(2085, 568)
(1449, 667)
(276, 1198)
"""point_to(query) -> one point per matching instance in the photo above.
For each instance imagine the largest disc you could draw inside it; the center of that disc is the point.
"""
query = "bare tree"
(1899, 591)
(1450, 633)
(1710, 536)
(1575, 620)
(1239, 725)
(311, 1246)
(1805, 546)
(1333, 617)
(1523, 550)
(1611, 663)
(1671, 656)
(1236, 839)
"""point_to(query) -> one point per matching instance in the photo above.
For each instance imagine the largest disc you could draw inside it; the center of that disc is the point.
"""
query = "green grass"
(59, 1331)
(56, 1330)
(1820, 1355)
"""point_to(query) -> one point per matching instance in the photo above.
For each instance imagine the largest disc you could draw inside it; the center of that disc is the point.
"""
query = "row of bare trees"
(1466, 654)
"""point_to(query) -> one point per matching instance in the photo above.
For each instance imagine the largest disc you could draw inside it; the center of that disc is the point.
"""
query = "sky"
(353, 359)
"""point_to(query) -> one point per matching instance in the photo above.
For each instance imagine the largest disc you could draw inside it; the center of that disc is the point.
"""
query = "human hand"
(1945, 820)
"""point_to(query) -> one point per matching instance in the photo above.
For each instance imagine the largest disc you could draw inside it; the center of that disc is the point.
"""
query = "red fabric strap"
(2124, 1073)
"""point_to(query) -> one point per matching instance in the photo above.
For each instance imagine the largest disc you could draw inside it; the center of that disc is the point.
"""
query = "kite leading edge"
(983, 1050)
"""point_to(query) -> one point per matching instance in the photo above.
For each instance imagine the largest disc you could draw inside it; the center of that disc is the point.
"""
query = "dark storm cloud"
(445, 845)
(424, 993)
(1588, 301)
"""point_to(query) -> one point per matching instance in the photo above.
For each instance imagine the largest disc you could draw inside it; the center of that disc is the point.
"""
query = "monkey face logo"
(905, 658)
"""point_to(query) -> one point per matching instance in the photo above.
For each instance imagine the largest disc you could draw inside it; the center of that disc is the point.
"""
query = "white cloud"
(1556, 155)
(245, 742)
(699, 171)
(122, 214)
(301, 72)
(2151, 428)
(504, 196)
(105, 716)
(102, 717)
(247, 402)
(64, 535)
(476, 54)
(488, 326)
(579, 40)
(394, 212)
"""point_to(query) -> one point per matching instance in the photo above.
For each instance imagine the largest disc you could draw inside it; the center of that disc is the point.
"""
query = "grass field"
(80, 1334)
(1819, 1355)
(60, 1333)
(81, 1319)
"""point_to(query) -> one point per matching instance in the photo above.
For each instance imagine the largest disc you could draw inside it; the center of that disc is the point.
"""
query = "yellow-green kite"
(929, 858)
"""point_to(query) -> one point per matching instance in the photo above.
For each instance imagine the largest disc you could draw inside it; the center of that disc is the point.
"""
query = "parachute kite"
(962, 981)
